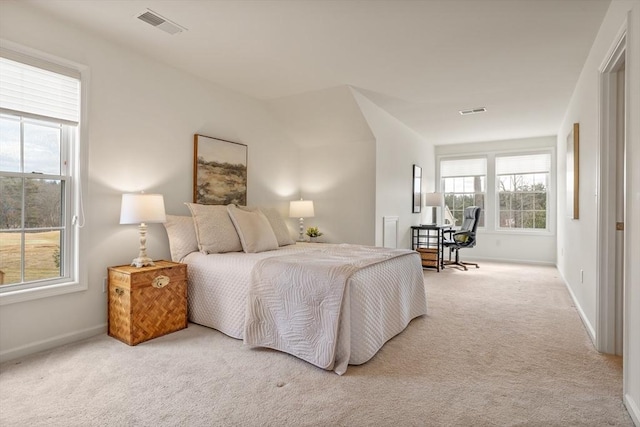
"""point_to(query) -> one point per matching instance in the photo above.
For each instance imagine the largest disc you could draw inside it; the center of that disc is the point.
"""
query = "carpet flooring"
(501, 346)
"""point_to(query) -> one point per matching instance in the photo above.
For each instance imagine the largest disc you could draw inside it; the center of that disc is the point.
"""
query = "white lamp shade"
(433, 199)
(139, 208)
(301, 209)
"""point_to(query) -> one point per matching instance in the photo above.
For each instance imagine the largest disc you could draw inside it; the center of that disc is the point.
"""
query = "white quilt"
(295, 302)
(382, 298)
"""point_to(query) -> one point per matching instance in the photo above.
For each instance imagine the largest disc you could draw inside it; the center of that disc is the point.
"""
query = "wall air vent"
(473, 111)
(160, 22)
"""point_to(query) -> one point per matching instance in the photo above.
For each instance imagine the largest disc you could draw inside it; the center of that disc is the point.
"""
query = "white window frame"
(491, 214)
(549, 202)
(75, 278)
(486, 180)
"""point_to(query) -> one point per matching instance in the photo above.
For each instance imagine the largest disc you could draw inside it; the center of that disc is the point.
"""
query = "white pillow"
(278, 225)
(182, 236)
(214, 230)
(256, 234)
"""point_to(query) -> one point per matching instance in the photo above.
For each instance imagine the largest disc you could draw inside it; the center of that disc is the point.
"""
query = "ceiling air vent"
(160, 22)
(472, 111)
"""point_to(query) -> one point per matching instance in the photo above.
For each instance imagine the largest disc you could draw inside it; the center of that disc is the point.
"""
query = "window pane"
(505, 201)
(528, 201)
(10, 257)
(458, 185)
(517, 219)
(459, 216)
(541, 220)
(447, 184)
(527, 182)
(41, 149)
(9, 145)
(527, 219)
(43, 201)
(505, 183)
(10, 203)
(506, 219)
(541, 181)
(42, 255)
(468, 184)
(541, 201)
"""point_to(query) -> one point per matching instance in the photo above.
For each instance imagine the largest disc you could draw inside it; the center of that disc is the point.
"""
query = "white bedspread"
(296, 303)
(382, 298)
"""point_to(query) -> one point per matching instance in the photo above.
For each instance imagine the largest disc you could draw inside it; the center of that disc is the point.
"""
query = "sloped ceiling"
(420, 60)
(323, 117)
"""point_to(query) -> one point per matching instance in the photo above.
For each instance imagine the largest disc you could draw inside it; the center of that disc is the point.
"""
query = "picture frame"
(573, 172)
(219, 171)
(416, 199)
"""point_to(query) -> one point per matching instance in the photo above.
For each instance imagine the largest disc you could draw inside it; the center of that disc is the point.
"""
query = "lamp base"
(141, 262)
(301, 236)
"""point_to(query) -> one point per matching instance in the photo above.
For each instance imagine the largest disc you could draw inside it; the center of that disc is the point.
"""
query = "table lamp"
(142, 209)
(435, 201)
(301, 209)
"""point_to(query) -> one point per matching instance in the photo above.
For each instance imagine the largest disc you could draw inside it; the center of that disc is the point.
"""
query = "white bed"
(379, 301)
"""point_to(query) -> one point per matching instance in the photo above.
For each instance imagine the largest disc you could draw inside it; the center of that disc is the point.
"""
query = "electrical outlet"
(104, 285)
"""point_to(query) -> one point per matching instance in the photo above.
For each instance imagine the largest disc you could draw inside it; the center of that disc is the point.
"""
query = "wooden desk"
(427, 239)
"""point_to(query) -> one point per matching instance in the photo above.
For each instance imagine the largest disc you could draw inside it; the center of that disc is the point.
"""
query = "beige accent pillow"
(256, 234)
(214, 230)
(278, 225)
(182, 236)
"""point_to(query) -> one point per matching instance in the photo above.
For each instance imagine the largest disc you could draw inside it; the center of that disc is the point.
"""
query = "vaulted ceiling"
(420, 60)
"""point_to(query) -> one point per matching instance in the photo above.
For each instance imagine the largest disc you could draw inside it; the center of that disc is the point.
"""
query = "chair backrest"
(469, 225)
(465, 236)
(471, 219)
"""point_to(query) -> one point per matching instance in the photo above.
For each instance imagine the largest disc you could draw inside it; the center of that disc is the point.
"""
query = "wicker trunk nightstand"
(147, 302)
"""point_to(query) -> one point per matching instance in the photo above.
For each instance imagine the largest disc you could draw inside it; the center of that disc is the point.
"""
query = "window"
(39, 118)
(523, 190)
(464, 182)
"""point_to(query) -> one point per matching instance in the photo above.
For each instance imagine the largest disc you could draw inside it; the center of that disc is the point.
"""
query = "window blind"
(463, 167)
(530, 163)
(39, 92)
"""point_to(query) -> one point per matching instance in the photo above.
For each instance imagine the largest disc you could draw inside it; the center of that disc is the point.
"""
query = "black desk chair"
(465, 237)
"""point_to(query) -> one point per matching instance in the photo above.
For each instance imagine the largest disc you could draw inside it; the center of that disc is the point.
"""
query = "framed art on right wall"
(573, 172)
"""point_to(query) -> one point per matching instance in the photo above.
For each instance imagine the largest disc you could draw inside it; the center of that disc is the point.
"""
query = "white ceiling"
(421, 61)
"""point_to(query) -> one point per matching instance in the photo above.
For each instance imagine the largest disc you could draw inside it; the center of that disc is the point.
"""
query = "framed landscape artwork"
(219, 171)
(573, 172)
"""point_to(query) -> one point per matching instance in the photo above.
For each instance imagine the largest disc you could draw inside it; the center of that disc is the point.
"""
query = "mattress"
(383, 298)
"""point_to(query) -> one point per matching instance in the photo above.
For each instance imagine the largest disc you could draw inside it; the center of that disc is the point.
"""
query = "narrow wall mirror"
(417, 189)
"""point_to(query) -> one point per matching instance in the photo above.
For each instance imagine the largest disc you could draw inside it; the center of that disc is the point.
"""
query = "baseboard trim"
(632, 408)
(50, 343)
(508, 260)
(585, 321)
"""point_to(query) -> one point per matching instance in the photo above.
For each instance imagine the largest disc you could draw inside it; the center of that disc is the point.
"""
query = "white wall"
(508, 245)
(397, 149)
(337, 161)
(355, 164)
(141, 119)
(577, 238)
(340, 179)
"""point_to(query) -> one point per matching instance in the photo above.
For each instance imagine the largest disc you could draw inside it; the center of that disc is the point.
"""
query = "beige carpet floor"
(501, 346)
